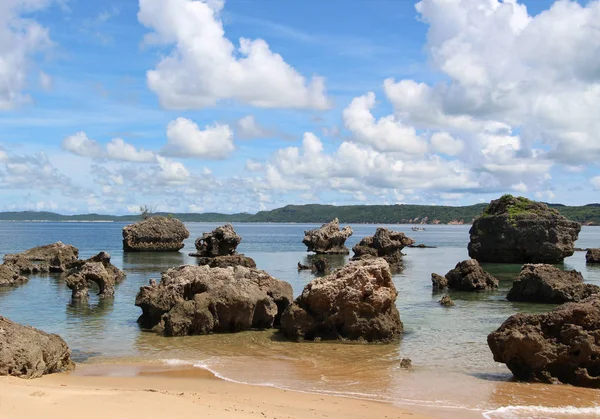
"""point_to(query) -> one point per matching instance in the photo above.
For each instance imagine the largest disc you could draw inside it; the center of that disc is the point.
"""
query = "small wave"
(539, 412)
(176, 362)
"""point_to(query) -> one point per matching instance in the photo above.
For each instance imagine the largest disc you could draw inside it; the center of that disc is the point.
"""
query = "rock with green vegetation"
(518, 230)
(541, 283)
(155, 234)
(26, 352)
(328, 239)
(592, 256)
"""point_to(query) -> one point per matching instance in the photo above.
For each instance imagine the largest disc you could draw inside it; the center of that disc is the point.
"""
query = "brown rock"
(384, 243)
(27, 352)
(226, 261)
(54, 257)
(155, 234)
(446, 301)
(328, 239)
(222, 241)
(592, 256)
(438, 282)
(560, 346)
(468, 275)
(9, 276)
(542, 283)
(356, 302)
(97, 269)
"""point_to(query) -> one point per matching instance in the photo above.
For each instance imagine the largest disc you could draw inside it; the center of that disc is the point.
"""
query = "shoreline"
(159, 391)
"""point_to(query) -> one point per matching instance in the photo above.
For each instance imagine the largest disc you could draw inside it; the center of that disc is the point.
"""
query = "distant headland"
(316, 213)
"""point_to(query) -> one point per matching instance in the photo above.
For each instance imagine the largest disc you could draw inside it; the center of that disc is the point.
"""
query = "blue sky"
(105, 106)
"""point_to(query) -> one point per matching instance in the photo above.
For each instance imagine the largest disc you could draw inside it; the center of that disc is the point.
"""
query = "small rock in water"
(592, 256)
(446, 301)
(406, 363)
(438, 282)
(328, 239)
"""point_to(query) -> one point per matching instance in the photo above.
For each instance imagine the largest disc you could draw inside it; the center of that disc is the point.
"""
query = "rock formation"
(54, 257)
(318, 265)
(517, 230)
(328, 239)
(438, 282)
(446, 301)
(356, 302)
(222, 241)
(10, 276)
(468, 275)
(560, 346)
(592, 256)
(97, 269)
(542, 283)
(26, 352)
(227, 261)
(384, 243)
(195, 300)
(155, 234)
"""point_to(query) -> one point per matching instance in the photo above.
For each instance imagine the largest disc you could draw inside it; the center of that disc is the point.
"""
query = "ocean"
(452, 364)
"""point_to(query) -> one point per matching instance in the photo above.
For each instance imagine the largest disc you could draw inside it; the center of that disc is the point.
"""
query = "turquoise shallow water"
(447, 346)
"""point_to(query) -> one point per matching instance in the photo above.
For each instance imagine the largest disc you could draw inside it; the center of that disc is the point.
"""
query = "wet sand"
(152, 391)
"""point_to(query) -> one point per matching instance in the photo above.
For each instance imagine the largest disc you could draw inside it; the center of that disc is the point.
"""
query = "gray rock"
(328, 239)
(155, 234)
(27, 352)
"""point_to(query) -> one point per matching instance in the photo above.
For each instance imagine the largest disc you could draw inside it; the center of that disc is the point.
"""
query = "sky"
(248, 105)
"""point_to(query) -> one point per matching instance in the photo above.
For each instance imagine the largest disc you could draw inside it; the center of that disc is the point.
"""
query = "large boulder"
(222, 241)
(356, 302)
(197, 300)
(27, 352)
(10, 276)
(560, 346)
(328, 239)
(468, 275)
(155, 234)
(55, 257)
(592, 256)
(384, 243)
(97, 269)
(517, 230)
(542, 283)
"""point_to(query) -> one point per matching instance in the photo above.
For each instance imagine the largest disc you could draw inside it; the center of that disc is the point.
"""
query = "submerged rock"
(468, 275)
(592, 256)
(356, 302)
(27, 352)
(542, 283)
(438, 282)
(446, 301)
(517, 230)
(97, 269)
(328, 239)
(384, 243)
(55, 257)
(155, 234)
(227, 261)
(560, 346)
(9, 276)
(196, 300)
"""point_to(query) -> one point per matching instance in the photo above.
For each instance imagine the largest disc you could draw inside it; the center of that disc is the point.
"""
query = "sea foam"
(539, 412)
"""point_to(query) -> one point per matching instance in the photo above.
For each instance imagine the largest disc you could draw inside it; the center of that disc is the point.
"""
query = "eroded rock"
(227, 261)
(355, 302)
(155, 234)
(438, 282)
(55, 257)
(96, 269)
(222, 241)
(9, 276)
(468, 275)
(592, 256)
(328, 239)
(560, 346)
(541, 283)
(446, 301)
(27, 352)
(384, 243)
(194, 300)
(517, 230)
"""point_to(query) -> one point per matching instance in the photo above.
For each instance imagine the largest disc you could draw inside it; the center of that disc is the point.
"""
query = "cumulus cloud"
(20, 39)
(205, 67)
(81, 145)
(117, 149)
(538, 74)
(248, 127)
(186, 139)
(444, 143)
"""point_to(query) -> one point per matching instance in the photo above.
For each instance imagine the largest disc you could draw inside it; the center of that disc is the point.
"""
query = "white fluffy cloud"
(118, 149)
(538, 74)
(186, 139)
(385, 134)
(81, 145)
(20, 40)
(205, 67)
(248, 127)
(444, 143)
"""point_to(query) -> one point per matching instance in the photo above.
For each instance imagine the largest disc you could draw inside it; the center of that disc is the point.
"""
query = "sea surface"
(452, 365)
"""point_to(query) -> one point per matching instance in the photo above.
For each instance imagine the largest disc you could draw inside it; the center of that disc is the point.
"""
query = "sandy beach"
(152, 392)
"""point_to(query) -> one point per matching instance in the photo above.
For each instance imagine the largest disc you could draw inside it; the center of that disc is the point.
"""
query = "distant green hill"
(314, 213)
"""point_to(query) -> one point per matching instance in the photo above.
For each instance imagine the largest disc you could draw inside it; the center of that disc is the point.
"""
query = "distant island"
(315, 213)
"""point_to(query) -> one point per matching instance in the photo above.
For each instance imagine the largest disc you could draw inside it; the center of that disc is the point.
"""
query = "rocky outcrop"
(197, 300)
(446, 301)
(356, 302)
(438, 282)
(328, 239)
(222, 241)
(9, 276)
(55, 257)
(384, 243)
(592, 256)
(318, 265)
(155, 234)
(96, 269)
(26, 352)
(560, 346)
(542, 283)
(227, 261)
(517, 230)
(468, 275)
